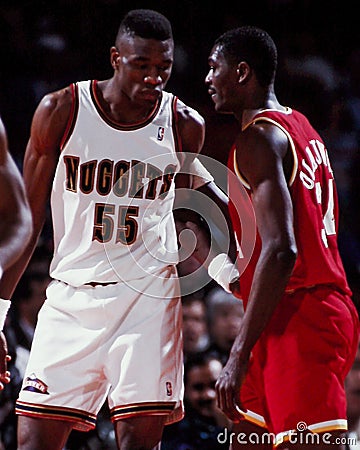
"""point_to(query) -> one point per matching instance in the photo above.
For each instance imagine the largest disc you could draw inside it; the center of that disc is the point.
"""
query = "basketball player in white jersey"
(106, 154)
(15, 229)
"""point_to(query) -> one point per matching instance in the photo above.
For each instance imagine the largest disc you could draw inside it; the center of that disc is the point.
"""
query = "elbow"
(286, 257)
(25, 225)
(28, 227)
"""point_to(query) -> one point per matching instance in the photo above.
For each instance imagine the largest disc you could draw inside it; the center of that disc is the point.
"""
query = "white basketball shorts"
(114, 342)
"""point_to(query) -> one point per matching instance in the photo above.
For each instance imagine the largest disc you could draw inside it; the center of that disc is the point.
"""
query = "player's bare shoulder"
(57, 104)
(51, 118)
(3, 135)
(186, 113)
(191, 126)
(3, 143)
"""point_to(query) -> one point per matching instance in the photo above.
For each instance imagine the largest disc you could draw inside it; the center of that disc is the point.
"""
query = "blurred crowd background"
(45, 45)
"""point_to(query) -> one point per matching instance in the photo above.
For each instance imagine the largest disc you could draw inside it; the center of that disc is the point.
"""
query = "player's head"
(143, 56)
(145, 23)
(252, 45)
(237, 56)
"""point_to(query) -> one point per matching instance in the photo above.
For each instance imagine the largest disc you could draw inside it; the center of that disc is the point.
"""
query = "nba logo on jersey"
(160, 135)
(168, 389)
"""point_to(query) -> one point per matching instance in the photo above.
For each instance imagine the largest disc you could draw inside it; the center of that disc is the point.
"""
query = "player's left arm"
(261, 150)
(191, 133)
(194, 175)
(262, 161)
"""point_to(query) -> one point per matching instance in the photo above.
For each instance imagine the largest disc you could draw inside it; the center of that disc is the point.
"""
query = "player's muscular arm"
(15, 216)
(261, 150)
(192, 133)
(41, 157)
(15, 228)
(191, 130)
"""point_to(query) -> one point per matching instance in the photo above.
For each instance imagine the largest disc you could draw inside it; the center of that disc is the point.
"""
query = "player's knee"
(25, 435)
(142, 433)
(35, 434)
(137, 441)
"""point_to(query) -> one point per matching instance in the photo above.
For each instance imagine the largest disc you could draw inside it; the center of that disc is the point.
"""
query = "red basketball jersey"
(315, 205)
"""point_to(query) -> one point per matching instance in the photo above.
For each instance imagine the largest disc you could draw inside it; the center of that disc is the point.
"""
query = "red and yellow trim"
(252, 417)
(118, 125)
(318, 428)
(73, 114)
(141, 409)
(292, 147)
(82, 420)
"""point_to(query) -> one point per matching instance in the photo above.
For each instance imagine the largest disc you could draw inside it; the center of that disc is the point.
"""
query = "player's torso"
(113, 194)
(315, 205)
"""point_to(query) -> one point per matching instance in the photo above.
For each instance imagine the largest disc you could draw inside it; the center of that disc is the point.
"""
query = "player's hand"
(228, 388)
(235, 289)
(4, 359)
(197, 242)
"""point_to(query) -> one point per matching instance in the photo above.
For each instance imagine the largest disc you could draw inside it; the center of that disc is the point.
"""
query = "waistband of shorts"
(329, 286)
(89, 284)
(96, 283)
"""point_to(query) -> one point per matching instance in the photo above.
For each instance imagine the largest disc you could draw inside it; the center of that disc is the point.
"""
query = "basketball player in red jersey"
(284, 379)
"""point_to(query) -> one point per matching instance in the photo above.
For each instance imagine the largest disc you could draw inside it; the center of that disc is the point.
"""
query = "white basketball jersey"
(113, 193)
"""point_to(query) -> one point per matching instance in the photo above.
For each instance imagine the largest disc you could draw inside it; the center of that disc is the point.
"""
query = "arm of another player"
(220, 258)
(41, 157)
(15, 229)
(15, 224)
(194, 175)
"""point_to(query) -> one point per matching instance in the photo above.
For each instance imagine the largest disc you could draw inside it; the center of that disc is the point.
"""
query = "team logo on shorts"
(161, 132)
(33, 384)
(168, 389)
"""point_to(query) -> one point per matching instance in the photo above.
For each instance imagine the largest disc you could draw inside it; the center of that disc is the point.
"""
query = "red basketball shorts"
(298, 367)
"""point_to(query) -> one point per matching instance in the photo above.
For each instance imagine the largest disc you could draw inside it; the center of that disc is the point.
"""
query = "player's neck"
(118, 107)
(249, 114)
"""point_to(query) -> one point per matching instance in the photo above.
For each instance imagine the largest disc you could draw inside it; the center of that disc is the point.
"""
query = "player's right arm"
(40, 161)
(15, 227)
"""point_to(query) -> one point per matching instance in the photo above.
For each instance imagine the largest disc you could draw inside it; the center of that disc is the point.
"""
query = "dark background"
(45, 45)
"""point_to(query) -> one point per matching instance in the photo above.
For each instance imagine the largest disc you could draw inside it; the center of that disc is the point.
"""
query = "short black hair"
(254, 46)
(147, 24)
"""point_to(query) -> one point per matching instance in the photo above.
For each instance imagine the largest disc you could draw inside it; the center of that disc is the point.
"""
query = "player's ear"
(243, 71)
(114, 57)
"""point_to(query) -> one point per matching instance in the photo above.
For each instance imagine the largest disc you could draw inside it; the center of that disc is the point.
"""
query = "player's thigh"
(42, 434)
(143, 432)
